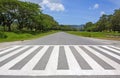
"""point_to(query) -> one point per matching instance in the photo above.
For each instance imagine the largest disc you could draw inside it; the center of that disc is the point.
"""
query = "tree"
(26, 13)
(102, 23)
(105, 23)
(88, 26)
(48, 22)
(8, 12)
(116, 21)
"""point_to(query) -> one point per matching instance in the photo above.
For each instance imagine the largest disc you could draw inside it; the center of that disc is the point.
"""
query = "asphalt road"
(61, 55)
(62, 38)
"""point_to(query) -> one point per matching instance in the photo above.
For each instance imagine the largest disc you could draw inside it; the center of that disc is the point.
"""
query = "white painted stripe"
(52, 64)
(90, 61)
(111, 49)
(13, 53)
(116, 47)
(30, 65)
(7, 50)
(19, 58)
(105, 51)
(106, 59)
(72, 63)
(60, 72)
(62, 45)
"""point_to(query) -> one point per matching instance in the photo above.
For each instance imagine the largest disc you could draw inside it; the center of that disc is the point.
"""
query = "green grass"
(101, 35)
(18, 36)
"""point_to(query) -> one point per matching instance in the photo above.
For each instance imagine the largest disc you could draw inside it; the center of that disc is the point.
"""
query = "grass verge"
(19, 36)
(100, 35)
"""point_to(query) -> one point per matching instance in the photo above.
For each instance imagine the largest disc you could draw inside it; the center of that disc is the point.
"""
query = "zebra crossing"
(49, 60)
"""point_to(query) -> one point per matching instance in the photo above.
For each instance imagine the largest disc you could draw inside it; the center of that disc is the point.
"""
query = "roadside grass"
(20, 36)
(101, 35)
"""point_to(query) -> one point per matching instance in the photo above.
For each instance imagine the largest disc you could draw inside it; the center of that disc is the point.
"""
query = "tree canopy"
(18, 15)
(105, 23)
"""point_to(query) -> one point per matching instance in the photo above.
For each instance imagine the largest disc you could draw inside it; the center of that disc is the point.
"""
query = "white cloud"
(52, 5)
(96, 6)
(102, 13)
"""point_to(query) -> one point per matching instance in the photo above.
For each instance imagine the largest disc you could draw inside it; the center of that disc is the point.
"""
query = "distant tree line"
(68, 28)
(107, 23)
(19, 15)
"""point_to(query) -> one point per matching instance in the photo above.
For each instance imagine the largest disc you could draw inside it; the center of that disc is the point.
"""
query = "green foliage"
(17, 36)
(67, 28)
(3, 35)
(115, 21)
(8, 13)
(48, 22)
(103, 35)
(107, 23)
(24, 16)
(88, 26)
(88, 34)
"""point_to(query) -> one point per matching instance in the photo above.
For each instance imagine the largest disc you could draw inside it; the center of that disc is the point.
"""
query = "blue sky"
(76, 12)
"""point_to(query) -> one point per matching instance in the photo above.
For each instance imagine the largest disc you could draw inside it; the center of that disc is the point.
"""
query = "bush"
(3, 35)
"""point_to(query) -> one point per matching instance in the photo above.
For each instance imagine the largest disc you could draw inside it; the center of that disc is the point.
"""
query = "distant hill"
(73, 27)
(76, 26)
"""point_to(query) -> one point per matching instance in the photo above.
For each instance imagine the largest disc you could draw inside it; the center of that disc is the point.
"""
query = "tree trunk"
(9, 27)
(4, 28)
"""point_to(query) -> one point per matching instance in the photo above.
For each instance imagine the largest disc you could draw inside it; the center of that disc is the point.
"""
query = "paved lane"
(61, 55)
(62, 38)
(60, 61)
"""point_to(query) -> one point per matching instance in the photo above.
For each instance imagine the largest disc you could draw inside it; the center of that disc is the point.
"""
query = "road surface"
(63, 38)
(61, 55)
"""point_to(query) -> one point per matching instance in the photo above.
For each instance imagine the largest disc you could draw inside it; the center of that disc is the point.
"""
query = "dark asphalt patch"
(41, 65)
(81, 61)
(62, 60)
